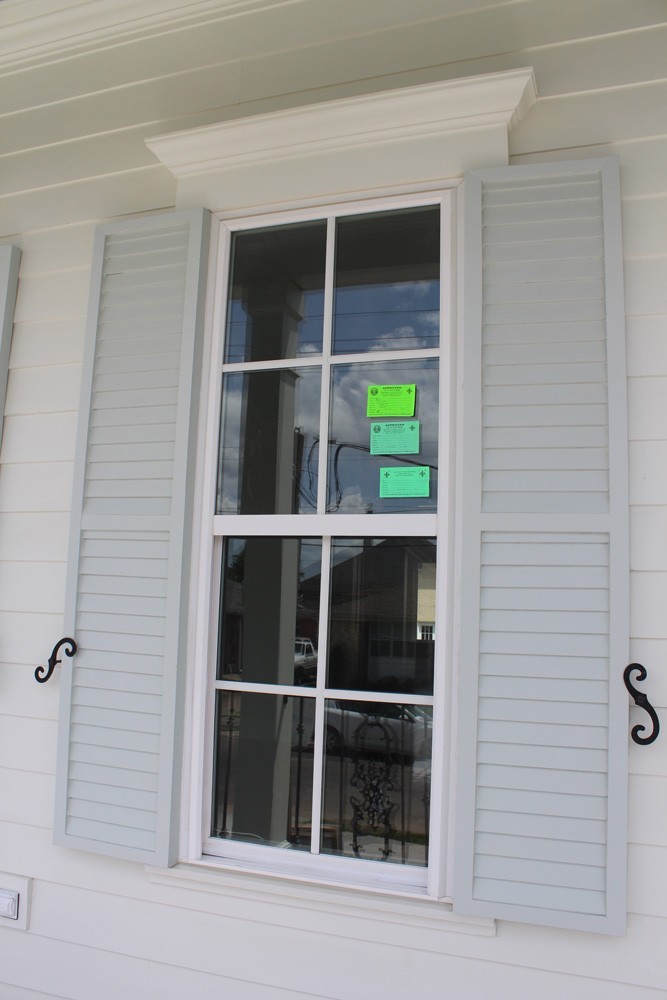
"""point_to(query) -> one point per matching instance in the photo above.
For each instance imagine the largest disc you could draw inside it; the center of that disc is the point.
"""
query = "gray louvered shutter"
(118, 764)
(543, 721)
(9, 277)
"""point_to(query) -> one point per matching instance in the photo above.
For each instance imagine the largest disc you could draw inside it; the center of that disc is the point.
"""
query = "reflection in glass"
(276, 293)
(382, 595)
(387, 294)
(377, 775)
(354, 474)
(269, 611)
(269, 442)
(263, 769)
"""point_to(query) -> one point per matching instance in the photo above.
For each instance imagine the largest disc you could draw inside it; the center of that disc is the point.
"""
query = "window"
(535, 568)
(327, 516)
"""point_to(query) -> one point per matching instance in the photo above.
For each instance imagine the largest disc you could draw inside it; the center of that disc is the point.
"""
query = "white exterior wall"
(78, 97)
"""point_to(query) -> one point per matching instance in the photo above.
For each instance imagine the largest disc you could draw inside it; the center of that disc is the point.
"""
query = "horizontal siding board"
(567, 759)
(117, 504)
(545, 689)
(145, 645)
(120, 604)
(564, 459)
(97, 833)
(553, 290)
(135, 700)
(545, 503)
(584, 248)
(131, 798)
(99, 774)
(545, 666)
(106, 683)
(543, 232)
(547, 897)
(556, 874)
(539, 848)
(546, 416)
(137, 379)
(543, 437)
(135, 586)
(117, 759)
(131, 415)
(570, 266)
(117, 739)
(530, 733)
(123, 566)
(519, 824)
(504, 598)
(547, 195)
(565, 622)
(131, 468)
(552, 713)
(123, 623)
(107, 718)
(554, 643)
(511, 353)
(543, 780)
(550, 373)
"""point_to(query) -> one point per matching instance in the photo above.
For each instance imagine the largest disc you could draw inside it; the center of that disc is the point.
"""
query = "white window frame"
(431, 881)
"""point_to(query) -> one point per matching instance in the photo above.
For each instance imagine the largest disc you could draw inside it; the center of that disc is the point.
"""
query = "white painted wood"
(546, 713)
(121, 604)
(10, 257)
(591, 65)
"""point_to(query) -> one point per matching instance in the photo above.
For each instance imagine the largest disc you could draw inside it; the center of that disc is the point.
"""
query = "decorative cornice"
(411, 113)
(37, 30)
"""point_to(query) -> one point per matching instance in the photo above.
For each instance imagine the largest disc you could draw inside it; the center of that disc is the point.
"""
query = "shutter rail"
(641, 699)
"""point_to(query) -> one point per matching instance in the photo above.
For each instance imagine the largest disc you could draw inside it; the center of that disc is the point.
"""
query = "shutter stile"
(544, 626)
(129, 547)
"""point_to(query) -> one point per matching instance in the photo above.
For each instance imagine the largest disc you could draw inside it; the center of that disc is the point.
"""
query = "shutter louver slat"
(544, 624)
(129, 547)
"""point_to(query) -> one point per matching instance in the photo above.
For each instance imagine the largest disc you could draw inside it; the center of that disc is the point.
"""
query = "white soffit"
(413, 115)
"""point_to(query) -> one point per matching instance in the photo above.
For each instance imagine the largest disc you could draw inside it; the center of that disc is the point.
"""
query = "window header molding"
(412, 136)
(410, 113)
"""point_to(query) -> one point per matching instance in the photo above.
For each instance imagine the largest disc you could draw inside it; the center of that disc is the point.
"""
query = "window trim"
(431, 880)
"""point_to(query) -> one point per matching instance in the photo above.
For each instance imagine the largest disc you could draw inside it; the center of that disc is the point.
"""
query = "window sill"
(386, 913)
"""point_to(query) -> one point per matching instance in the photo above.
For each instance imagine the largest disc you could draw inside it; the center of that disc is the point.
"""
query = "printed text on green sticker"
(411, 481)
(391, 401)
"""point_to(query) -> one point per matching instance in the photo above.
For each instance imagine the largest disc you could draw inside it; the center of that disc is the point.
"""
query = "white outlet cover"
(15, 891)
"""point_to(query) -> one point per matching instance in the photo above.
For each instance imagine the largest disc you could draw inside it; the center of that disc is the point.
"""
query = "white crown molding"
(409, 114)
(37, 30)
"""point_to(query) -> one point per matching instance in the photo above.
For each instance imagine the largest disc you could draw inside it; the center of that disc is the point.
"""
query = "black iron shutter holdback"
(643, 702)
(42, 674)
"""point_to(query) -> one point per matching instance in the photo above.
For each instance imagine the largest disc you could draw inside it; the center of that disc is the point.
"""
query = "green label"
(395, 437)
(411, 481)
(391, 401)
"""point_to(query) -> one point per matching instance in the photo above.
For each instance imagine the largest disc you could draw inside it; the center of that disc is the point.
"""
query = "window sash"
(331, 525)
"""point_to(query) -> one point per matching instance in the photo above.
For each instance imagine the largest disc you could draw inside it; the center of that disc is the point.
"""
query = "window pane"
(355, 475)
(387, 294)
(377, 775)
(270, 610)
(381, 588)
(277, 293)
(263, 764)
(269, 441)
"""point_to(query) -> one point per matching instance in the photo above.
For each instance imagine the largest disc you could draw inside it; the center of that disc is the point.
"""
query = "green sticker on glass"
(391, 400)
(410, 481)
(395, 437)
